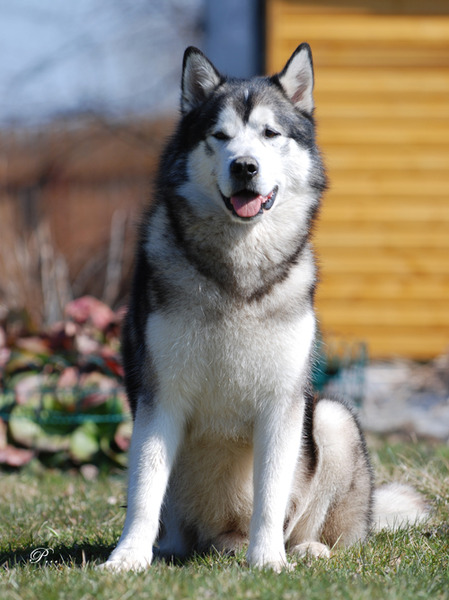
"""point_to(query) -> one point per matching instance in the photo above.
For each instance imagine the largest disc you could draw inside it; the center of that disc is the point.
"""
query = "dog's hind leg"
(335, 506)
(230, 542)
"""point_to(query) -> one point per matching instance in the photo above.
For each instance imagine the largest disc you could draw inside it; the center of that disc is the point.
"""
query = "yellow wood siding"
(382, 97)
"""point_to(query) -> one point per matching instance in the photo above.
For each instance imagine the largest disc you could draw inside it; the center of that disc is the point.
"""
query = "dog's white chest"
(221, 373)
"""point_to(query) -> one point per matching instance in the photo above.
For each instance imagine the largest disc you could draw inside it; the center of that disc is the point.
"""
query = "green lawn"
(79, 521)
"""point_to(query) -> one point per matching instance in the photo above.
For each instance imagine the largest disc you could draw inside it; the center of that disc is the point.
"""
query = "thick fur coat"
(230, 449)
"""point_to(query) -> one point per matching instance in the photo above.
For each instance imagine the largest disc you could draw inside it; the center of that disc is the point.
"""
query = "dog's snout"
(244, 168)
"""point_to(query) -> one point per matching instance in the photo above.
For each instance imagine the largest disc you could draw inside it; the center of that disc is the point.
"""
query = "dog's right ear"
(199, 79)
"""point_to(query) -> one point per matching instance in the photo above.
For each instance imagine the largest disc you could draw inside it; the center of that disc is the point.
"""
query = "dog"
(230, 447)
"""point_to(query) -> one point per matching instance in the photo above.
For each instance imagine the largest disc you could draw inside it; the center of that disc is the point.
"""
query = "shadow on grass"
(82, 554)
(77, 555)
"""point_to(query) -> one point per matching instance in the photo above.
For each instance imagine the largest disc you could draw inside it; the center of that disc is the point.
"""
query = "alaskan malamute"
(230, 448)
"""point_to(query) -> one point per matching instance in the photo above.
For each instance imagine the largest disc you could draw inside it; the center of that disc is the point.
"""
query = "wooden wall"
(382, 96)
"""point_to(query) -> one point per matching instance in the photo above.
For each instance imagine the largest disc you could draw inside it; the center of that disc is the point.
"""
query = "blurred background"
(89, 92)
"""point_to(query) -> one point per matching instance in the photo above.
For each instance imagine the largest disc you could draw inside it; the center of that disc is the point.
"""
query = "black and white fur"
(229, 446)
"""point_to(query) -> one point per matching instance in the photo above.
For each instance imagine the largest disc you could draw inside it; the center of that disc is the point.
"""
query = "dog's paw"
(276, 561)
(127, 560)
(313, 549)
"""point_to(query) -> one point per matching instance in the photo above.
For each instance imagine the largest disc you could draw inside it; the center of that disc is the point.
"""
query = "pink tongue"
(247, 206)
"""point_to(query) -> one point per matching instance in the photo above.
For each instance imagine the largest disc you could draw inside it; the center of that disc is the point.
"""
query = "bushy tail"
(397, 505)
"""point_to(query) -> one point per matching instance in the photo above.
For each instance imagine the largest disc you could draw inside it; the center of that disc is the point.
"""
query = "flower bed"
(61, 391)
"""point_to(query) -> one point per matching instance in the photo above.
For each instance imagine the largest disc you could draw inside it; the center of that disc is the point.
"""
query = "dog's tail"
(396, 506)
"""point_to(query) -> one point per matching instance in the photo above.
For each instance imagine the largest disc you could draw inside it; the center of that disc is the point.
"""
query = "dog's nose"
(244, 168)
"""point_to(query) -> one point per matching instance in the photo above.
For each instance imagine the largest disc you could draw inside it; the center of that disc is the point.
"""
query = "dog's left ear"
(199, 79)
(297, 78)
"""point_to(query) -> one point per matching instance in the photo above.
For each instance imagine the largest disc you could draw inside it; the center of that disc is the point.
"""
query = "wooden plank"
(381, 80)
(369, 107)
(384, 131)
(373, 28)
(353, 236)
(366, 287)
(383, 218)
(365, 55)
(291, 8)
(385, 343)
(361, 236)
(362, 55)
(347, 159)
(357, 214)
(357, 186)
(378, 261)
(424, 180)
(368, 200)
(384, 99)
(386, 313)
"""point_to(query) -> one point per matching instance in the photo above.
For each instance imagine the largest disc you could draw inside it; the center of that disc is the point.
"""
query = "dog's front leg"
(155, 440)
(277, 441)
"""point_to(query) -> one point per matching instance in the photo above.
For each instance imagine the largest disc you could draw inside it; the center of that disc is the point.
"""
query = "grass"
(78, 521)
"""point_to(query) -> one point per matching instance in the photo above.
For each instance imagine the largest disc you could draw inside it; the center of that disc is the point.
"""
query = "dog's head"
(251, 143)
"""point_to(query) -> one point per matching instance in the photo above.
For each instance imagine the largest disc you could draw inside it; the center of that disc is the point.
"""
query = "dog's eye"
(219, 135)
(271, 133)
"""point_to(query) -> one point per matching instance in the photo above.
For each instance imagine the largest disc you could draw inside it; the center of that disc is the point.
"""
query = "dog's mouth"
(248, 204)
